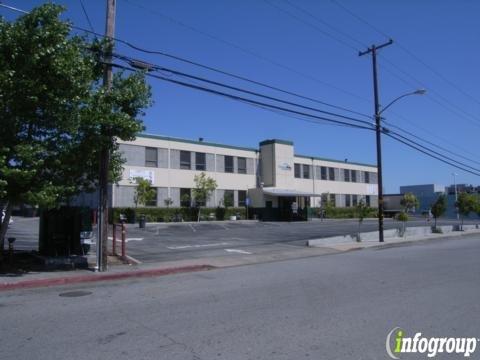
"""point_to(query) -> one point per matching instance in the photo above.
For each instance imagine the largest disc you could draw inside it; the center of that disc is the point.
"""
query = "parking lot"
(178, 241)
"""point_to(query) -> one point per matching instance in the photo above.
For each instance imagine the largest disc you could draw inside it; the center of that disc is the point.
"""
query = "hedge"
(175, 214)
(344, 213)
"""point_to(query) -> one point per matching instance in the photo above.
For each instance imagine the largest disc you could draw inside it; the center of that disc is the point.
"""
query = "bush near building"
(172, 214)
(346, 213)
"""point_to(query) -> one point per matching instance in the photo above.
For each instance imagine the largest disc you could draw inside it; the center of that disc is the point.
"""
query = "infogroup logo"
(397, 343)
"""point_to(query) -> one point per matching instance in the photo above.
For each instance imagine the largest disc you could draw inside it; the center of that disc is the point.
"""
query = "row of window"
(187, 200)
(151, 160)
(346, 200)
(304, 171)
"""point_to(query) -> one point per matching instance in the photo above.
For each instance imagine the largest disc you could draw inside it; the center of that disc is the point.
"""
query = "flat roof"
(265, 142)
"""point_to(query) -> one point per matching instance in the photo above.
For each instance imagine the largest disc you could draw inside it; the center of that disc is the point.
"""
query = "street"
(330, 307)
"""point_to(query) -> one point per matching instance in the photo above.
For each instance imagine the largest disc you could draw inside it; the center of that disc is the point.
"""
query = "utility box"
(60, 230)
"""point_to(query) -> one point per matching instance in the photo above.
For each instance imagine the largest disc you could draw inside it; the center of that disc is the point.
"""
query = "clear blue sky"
(443, 34)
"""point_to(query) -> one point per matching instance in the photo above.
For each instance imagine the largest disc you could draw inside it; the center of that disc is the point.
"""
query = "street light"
(455, 186)
(379, 130)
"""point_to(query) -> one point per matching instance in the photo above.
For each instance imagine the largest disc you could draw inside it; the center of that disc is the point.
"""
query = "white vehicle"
(87, 239)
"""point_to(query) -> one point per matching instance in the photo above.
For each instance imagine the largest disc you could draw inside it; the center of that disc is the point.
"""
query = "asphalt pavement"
(330, 307)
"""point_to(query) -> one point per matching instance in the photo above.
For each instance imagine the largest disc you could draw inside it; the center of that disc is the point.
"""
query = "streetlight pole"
(456, 196)
(378, 132)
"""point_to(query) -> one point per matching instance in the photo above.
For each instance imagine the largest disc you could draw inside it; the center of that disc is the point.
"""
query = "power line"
(157, 52)
(320, 30)
(86, 15)
(407, 51)
(247, 51)
(430, 143)
(243, 99)
(310, 14)
(161, 68)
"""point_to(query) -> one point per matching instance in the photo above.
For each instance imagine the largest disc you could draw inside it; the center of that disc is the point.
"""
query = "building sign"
(144, 174)
(285, 167)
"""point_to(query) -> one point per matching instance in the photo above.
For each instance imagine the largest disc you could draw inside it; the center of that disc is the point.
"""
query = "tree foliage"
(144, 193)
(466, 203)
(204, 187)
(55, 114)
(409, 202)
(439, 207)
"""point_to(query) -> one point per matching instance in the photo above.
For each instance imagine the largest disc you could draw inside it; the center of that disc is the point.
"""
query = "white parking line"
(191, 227)
(238, 251)
(195, 246)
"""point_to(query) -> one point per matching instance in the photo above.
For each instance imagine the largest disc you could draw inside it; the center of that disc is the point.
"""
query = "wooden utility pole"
(378, 131)
(105, 152)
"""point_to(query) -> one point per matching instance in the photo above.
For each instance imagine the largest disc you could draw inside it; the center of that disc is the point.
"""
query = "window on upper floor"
(346, 174)
(242, 165)
(331, 174)
(367, 177)
(151, 157)
(323, 173)
(306, 171)
(200, 162)
(353, 175)
(229, 164)
(185, 160)
(297, 170)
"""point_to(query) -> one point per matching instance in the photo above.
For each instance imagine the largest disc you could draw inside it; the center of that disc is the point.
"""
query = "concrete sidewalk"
(317, 247)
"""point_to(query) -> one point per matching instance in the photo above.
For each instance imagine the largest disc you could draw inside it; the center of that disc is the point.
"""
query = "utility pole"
(105, 152)
(378, 130)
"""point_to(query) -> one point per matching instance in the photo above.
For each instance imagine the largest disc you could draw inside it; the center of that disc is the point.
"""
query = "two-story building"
(270, 177)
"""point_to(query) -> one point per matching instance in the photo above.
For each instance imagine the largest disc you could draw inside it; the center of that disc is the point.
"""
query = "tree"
(362, 211)
(409, 202)
(439, 207)
(144, 193)
(466, 203)
(53, 109)
(204, 187)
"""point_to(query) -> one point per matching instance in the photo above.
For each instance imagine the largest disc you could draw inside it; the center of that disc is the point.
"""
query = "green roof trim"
(336, 161)
(276, 141)
(169, 138)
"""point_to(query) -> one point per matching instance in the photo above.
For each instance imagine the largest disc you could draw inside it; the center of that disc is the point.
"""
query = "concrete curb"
(68, 280)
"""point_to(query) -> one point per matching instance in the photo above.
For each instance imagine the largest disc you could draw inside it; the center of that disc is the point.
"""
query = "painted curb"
(27, 284)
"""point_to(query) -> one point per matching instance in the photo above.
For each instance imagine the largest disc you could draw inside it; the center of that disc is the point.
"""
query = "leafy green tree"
(466, 203)
(362, 211)
(204, 187)
(439, 207)
(55, 115)
(144, 193)
(409, 202)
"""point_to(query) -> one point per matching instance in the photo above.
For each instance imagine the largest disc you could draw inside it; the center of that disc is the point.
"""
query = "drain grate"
(75, 293)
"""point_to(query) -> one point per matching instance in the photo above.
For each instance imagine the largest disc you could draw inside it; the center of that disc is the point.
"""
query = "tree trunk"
(4, 226)
(198, 218)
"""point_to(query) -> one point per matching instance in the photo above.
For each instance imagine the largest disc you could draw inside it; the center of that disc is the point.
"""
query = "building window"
(228, 198)
(229, 164)
(323, 173)
(331, 174)
(332, 200)
(242, 165)
(346, 174)
(367, 177)
(354, 200)
(354, 175)
(153, 202)
(185, 197)
(200, 163)
(367, 200)
(185, 160)
(297, 171)
(347, 201)
(306, 171)
(242, 198)
(151, 157)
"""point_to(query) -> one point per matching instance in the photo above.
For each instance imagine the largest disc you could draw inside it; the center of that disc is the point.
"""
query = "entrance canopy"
(286, 192)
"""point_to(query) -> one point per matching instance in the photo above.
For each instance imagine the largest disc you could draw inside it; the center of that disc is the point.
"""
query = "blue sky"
(259, 40)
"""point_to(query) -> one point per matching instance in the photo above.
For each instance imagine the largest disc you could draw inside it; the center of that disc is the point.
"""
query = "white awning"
(287, 192)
